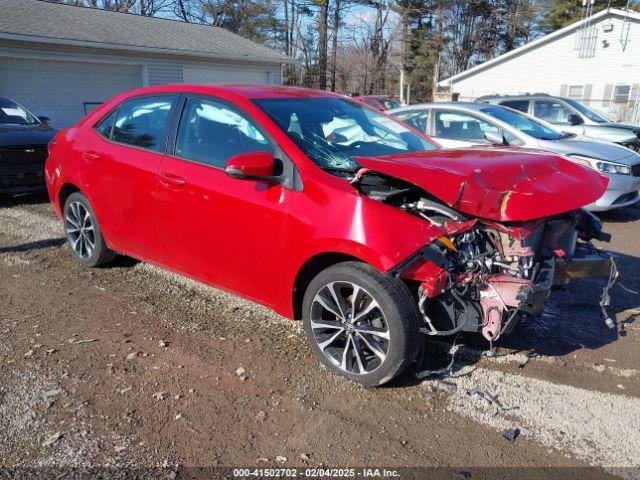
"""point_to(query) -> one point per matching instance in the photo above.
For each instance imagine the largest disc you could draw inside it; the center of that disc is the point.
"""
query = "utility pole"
(436, 77)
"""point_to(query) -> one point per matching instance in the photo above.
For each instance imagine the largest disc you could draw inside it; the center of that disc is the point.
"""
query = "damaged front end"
(483, 275)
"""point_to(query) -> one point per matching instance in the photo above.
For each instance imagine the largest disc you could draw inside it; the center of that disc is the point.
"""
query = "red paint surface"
(253, 237)
(475, 181)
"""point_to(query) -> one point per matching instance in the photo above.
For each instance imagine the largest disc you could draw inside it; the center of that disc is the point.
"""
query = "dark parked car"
(23, 148)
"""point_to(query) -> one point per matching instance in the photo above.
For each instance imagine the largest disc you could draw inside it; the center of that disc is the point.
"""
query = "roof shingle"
(38, 20)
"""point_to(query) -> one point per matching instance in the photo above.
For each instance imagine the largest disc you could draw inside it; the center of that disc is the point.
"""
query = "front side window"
(551, 111)
(523, 123)
(415, 118)
(587, 112)
(333, 131)
(12, 113)
(212, 132)
(521, 105)
(140, 122)
(461, 126)
(621, 93)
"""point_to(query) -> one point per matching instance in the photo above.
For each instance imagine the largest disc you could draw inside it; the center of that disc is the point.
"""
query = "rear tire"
(361, 324)
(83, 232)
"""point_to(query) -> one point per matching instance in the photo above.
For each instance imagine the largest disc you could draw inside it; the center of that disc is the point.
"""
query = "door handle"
(172, 180)
(90, 155)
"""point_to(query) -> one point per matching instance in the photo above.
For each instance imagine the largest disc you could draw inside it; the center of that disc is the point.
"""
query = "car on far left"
(24, 140)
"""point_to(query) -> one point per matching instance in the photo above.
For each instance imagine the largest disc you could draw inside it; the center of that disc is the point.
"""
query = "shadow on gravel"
(622, 215)
(15, 201)
(40, 244)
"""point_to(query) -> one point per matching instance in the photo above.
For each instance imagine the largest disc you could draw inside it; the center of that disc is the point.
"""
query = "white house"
(62, 61)
(595, 61)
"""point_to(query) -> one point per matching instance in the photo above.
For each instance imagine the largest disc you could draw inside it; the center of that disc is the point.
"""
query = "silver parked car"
(466, 124)
(566, 114)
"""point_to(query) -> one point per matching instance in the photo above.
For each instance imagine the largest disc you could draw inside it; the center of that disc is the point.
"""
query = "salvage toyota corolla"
(324, 209)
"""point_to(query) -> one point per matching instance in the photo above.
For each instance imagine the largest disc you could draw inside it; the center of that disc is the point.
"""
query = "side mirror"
(44, 119)
(495, 138)
(574, 119)
(254, 165)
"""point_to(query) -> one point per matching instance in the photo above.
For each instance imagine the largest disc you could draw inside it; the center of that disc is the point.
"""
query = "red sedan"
(327, 210)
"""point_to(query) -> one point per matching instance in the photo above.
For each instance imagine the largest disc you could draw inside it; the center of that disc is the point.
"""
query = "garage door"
(226, 75)
(64, 91)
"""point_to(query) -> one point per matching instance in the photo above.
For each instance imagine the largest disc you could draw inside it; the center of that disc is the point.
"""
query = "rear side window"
(212, 132)
(461, 126)
(522, 105)
(140, 122)
(551, 111)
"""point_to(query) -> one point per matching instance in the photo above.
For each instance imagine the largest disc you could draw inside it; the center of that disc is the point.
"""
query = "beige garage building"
(62, 61)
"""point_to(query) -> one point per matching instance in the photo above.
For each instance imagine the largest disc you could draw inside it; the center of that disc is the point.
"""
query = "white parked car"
(467, 124)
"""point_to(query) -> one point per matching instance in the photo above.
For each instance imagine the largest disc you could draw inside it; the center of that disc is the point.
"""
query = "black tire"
(77, 205)
(372, 359)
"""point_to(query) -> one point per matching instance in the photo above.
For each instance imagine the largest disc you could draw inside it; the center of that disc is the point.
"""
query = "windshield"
(587, 112)
(11, 112)
(523, 123)
(334, 131)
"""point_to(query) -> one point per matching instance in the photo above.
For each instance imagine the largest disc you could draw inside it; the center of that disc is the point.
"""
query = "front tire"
(83, 232)
(361, 324)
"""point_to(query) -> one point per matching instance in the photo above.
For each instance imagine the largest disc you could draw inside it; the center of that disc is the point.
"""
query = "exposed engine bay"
(482, 275)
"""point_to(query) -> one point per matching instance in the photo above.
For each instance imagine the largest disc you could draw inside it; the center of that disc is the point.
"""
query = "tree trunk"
(322, 43)
(334, 46)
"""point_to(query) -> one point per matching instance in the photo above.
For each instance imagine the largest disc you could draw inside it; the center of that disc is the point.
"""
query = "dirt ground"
(129, 366)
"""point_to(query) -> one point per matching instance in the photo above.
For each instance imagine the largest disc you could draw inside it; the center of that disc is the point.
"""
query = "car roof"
(519, 97)
(248, 91)
(469, 106)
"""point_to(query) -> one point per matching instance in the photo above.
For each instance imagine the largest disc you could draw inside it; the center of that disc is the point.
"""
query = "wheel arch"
(65, 191)
(309, 269)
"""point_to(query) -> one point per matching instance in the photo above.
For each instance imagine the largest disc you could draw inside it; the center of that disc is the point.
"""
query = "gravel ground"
(133, 366)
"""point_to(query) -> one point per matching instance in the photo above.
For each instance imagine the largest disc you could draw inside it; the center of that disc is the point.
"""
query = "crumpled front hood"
(502, 184)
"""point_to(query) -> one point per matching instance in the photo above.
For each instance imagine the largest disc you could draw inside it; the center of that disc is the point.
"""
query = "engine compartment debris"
(482, 275)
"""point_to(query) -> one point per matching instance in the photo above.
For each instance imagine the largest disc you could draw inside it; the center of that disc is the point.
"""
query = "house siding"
(555, 66)
(81, 75)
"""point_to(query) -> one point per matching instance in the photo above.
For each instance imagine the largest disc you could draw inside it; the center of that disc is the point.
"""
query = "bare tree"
(323, 28)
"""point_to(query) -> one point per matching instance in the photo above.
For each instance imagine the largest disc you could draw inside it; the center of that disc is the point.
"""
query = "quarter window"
(211, 133)
(460, 126)
(551, 111)
(140, 122)
(105, 127)
(621, 93)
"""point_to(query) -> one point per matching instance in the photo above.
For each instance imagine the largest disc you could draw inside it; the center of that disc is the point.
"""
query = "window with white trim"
(576, 92)
(621, 93)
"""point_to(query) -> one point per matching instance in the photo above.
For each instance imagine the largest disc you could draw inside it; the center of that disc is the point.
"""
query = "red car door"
(224, 231)
(123, 155)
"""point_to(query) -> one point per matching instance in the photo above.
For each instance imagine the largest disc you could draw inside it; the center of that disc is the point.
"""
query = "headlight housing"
(601, 165)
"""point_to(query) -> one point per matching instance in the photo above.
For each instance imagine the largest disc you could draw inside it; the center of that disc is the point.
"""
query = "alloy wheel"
(350, 328)
(80, 230)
